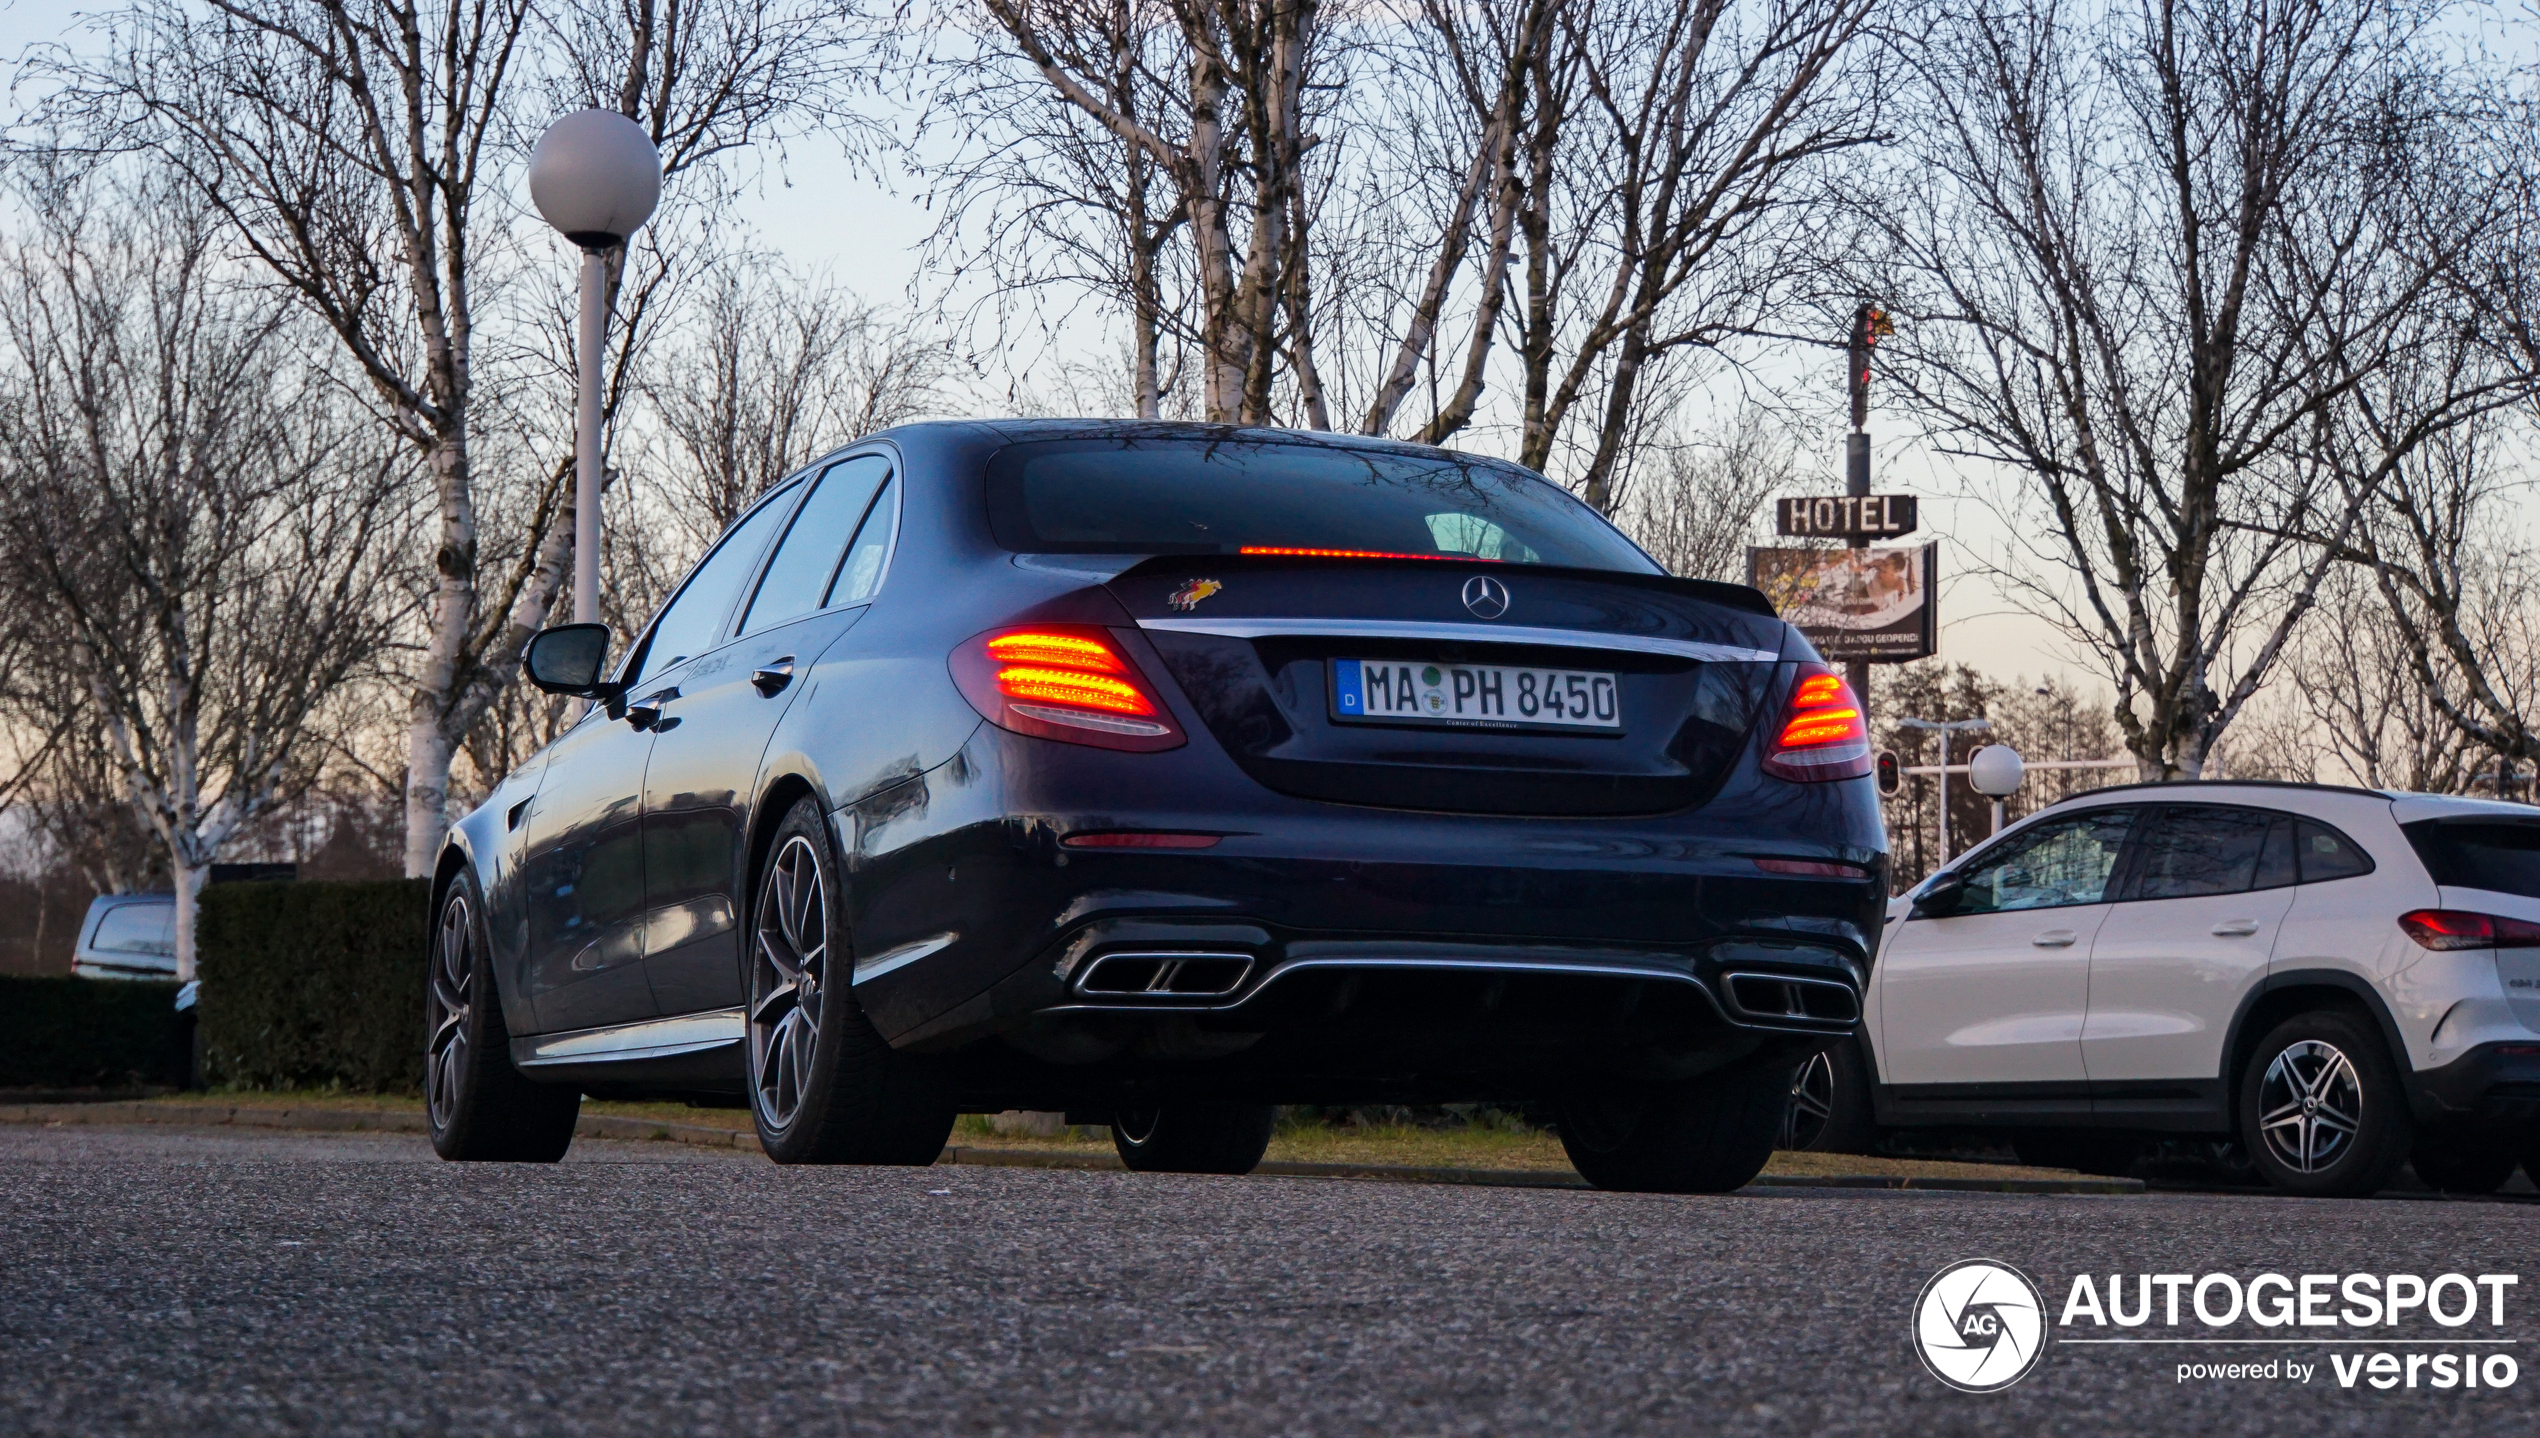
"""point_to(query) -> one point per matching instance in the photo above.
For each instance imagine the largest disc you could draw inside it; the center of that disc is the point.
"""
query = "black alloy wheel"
(2463, 1161)
(1811, 1104)
(1829, 1109)
(2321, 1109)
(1707, 1135)
(1227, 1138)
(824, 1086)
(479, 1107)
(787, 981)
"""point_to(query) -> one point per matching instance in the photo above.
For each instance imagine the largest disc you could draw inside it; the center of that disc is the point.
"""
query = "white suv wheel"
(2310, 1106)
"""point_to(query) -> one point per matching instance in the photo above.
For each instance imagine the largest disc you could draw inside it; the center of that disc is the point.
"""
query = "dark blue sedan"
(1159, 774)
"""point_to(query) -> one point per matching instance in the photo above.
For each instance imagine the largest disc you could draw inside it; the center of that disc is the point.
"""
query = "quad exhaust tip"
(1778, 996)
(1158, 975)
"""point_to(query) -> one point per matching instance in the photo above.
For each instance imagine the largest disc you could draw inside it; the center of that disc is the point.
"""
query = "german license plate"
(1408, 691)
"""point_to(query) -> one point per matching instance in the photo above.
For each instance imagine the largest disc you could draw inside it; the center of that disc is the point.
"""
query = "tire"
(1710, 1135)
(1194, 1137)
(824, 1086)
(1829, 1107)
(2354, 1132)
(2091, 1151)
(2464, 1162)
(480, 1107)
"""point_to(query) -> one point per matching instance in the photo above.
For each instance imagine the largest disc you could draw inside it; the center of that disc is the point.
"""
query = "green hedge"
(89, 1033)
(314, 984)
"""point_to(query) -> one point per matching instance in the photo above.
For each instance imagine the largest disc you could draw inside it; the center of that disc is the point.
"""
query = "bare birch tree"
(775, 370)
(358, 149)
(2366, 703)
(1707, 500)
(196, 506)
(2451, 563)
(1228, 137)
(1439, 184)
(1054, 209)
(1677, 209)
(2154, 261)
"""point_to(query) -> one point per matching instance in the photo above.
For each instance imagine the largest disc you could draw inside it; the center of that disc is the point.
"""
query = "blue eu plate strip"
(1349, 686)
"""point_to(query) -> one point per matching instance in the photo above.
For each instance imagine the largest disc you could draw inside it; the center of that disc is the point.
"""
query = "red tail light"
(1823, 735)
(2444, 929)
(1064, 681)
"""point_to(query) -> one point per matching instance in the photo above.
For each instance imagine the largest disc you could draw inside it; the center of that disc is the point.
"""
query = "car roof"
(2202, 787)
(2408, 808)
(117, 901)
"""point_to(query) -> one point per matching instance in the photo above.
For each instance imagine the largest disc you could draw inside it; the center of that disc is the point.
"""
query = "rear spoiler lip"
(1234, 627)
(1732, 596)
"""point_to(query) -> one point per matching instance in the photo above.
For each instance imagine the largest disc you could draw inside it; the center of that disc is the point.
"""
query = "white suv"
(2342, 979)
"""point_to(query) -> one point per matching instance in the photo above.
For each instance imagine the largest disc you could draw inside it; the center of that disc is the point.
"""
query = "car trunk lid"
(1260, 646)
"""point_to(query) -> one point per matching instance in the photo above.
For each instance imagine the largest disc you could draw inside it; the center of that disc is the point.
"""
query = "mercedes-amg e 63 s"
(1158, 774)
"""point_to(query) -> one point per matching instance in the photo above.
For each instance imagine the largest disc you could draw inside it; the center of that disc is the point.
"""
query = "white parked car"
(2341, 979)
(127, 936)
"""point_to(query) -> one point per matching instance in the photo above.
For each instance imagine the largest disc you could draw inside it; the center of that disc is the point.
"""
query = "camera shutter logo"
(1980, 1326)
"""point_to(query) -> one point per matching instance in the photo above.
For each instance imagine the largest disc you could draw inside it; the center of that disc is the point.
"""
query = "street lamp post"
(1996, 771)
(1944, 730)
(595, 176)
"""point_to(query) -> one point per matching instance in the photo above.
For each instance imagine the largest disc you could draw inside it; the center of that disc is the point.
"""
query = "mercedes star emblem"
(1485, 596)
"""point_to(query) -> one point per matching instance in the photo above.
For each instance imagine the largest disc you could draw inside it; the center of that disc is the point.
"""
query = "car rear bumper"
(2493, 1085)
(164, 972)
(1345, 950)
(1255, 1011)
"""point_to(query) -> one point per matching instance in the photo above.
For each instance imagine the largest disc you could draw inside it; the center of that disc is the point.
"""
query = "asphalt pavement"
(170, 1281)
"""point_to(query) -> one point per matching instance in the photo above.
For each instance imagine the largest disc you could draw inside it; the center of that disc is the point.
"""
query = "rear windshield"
(137, 929)
(1143, 495)
(2499, 855)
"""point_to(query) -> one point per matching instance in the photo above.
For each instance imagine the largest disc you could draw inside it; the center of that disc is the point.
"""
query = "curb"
(2093, 1186)
(640, 1130)
(1546, 1178)
(332, 1120)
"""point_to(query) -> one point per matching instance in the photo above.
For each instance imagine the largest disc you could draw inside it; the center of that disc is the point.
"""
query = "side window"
(2276, 867)
(137, 929)
(2052, 866)
(860, 578)
(2326, 854)
(693, 623)
(2194, 850)
(807, 557)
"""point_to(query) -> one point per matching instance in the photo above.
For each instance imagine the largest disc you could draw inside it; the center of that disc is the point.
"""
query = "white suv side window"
(2052, 866)
(2191, 851)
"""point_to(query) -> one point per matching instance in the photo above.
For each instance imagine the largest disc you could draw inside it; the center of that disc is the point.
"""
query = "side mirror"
(1941, 899)
(568, 659)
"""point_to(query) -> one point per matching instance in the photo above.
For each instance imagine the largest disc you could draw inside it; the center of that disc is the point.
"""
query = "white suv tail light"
(2444, 929)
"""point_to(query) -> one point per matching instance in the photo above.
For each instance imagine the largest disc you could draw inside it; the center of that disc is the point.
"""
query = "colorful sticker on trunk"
(1189, 595)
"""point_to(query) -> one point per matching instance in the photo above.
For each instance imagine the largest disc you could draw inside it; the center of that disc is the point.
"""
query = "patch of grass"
(977, 1130)
(669, 1112)
(337, 1099)
(1493, 1140)
(1788, 1164)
